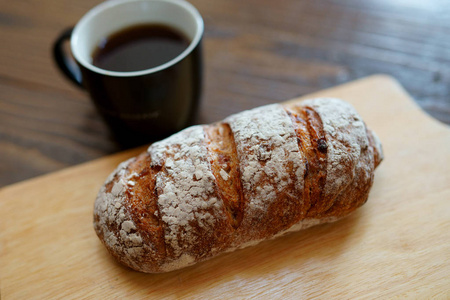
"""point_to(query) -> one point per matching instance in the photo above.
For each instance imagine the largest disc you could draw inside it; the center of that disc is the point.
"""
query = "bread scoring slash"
(256, 175)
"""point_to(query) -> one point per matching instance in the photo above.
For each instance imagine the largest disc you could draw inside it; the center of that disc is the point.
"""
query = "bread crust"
(256, 175)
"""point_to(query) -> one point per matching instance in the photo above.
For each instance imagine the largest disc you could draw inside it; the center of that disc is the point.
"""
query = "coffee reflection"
(139, 47)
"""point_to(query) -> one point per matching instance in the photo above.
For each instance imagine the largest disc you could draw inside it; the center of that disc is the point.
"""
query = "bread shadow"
(294, 255)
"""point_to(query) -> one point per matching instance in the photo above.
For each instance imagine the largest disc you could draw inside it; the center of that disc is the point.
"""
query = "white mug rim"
(111, 3)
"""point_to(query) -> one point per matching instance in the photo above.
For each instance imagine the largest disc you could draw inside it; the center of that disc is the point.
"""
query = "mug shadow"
(295, 256)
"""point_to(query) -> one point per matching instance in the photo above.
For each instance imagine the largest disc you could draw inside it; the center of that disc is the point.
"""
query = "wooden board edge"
(112, 159)
(381, 79)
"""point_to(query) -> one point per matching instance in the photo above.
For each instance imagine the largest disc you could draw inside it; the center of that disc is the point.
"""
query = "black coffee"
(139, 47)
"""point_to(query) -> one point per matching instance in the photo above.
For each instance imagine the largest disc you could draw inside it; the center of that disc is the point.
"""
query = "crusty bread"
(256, 175)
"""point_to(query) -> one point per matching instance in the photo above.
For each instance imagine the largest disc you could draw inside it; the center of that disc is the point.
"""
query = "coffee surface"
(139, 47)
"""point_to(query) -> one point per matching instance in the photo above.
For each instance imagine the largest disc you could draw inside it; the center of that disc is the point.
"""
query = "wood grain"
(395, 246)
(256, 52)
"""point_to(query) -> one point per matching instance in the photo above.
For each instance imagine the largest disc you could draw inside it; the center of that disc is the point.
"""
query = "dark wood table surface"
(256, 52)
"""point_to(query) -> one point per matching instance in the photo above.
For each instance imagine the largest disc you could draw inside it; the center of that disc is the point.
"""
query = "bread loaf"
(256, 175)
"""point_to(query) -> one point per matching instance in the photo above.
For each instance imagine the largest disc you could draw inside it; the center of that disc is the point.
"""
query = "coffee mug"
(141, 105)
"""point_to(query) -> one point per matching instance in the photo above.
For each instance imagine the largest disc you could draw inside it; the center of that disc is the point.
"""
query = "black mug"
(145, 105)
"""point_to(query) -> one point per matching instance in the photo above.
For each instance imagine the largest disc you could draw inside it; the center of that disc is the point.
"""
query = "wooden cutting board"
(398, 244)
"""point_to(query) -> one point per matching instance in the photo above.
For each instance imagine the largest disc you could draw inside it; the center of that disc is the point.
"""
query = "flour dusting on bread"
(346, 138)
(257, 175)
(187, 197)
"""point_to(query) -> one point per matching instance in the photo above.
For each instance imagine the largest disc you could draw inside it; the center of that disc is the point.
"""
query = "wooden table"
(256, 52)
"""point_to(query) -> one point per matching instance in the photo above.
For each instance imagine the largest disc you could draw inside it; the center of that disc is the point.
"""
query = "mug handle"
(64, 61)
